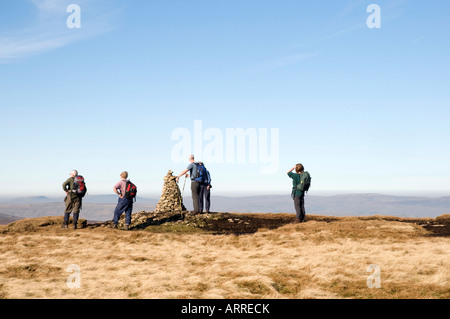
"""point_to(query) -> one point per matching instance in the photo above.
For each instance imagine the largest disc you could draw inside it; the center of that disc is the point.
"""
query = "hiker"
(195, 186)
(205, 189)
(300, 182)
(124, 203)
(75, 189)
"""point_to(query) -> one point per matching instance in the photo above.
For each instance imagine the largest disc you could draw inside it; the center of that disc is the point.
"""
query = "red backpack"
(79, 186)
(130, 190)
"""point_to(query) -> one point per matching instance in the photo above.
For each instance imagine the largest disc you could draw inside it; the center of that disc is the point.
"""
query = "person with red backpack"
(75, 189)
(126, 191)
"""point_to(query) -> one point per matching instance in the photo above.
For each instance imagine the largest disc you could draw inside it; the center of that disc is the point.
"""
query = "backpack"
(201, 173)
(130, 190)
(79, 186)
(305, 182)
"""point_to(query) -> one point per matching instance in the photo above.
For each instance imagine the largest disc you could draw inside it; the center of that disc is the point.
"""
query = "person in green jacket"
(72, 201)
(298, 195)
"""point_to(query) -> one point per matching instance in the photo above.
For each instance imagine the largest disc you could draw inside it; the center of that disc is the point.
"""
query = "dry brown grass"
(317, 259)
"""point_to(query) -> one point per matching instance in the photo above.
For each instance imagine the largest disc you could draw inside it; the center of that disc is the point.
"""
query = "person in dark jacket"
(72, 201)
(298, 195)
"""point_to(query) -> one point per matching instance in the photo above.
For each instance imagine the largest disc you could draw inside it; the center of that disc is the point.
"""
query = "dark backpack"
(130, 190)
(305, 182)
(79, 186)
(201, 173)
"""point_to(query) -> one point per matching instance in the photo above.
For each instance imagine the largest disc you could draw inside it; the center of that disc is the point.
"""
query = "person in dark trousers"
(205, 192)
(124, 204)
(72, 201)
(298, 196)
(195, 186)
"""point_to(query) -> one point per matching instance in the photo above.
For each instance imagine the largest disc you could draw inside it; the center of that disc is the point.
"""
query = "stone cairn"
(171, 200)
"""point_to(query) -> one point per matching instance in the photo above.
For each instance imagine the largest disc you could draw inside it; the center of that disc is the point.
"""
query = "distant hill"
(101, 207)
(6, 219)
(95, 199)
(338, 205)
(90, 211)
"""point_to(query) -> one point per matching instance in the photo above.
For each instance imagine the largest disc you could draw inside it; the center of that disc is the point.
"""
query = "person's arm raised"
(182, 173)
(291, 169)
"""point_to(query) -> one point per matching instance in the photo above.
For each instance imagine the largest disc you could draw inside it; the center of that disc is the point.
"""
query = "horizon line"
(321, 194)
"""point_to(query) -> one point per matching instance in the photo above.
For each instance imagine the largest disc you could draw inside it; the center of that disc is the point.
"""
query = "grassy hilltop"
(228, 255)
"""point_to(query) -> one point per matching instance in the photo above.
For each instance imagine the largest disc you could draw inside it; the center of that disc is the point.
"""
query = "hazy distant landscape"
(101, 207)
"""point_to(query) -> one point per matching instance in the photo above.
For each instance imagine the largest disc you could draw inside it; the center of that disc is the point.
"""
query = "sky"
(249, 87)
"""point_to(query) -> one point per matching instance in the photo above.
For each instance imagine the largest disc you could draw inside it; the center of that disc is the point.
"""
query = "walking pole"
(180, 197)
(184, 184)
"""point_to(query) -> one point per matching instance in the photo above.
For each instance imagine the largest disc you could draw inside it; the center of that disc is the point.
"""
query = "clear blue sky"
(365, 110)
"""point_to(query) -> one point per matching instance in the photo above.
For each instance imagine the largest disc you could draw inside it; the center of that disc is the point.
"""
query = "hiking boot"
(64, 226)
(127, 227)
(75, 226)
(114, 226)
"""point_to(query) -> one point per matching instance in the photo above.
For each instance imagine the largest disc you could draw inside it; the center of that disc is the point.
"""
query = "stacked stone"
(171, 199)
